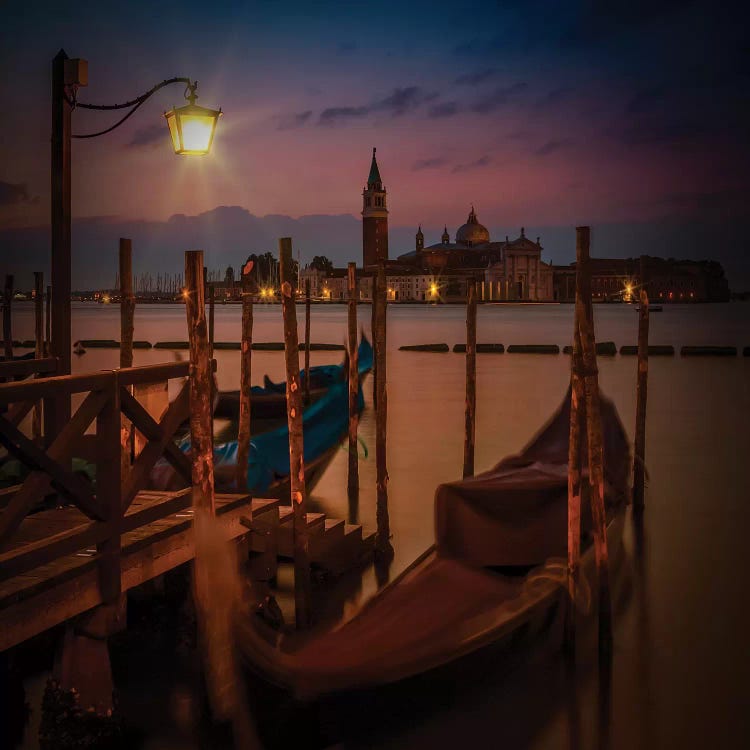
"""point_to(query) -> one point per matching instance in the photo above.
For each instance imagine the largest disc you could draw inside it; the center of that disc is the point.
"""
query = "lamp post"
(192, 130)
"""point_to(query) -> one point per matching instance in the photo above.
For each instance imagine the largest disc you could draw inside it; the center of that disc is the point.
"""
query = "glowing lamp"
(192, 127)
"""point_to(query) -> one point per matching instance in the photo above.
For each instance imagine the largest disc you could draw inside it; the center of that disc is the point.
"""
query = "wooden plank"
(352, 485)
(23, 368)
(153, 373)
(55, 387)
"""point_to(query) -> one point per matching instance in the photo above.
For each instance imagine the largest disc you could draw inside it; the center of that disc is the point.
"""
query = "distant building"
(666, 280)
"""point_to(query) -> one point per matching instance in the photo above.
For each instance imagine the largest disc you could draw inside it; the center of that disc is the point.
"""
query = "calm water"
(682, 661)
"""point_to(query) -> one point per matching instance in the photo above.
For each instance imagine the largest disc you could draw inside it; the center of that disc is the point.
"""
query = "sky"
(629, 116)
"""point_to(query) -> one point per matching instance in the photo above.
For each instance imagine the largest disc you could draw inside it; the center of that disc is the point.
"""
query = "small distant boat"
(78, 348)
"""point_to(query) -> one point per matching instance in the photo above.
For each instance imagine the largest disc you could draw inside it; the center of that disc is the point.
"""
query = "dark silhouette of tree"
(321, 263)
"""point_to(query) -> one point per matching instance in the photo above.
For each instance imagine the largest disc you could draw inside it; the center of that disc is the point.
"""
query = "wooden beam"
(380, 299)
(639, 448)
(302, 583)
(7, 327)
(246, 364)
(36, 421)
(306, 384)
(353, 475)
(60, 385)
(23, 368)
(471, 379)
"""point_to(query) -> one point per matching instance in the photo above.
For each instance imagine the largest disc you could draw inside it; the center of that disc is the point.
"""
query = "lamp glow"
(192, 127)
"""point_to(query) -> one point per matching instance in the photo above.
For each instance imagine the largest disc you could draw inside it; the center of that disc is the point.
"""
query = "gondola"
(496, 568)
(269, 400)
(325, 424)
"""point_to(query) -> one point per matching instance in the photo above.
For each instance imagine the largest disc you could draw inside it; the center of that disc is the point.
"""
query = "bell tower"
(374, 218)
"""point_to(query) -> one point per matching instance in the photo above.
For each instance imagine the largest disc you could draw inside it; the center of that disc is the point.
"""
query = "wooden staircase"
(335, 545)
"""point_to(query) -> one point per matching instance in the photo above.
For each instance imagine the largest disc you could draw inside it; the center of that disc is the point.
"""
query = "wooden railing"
(105, 397)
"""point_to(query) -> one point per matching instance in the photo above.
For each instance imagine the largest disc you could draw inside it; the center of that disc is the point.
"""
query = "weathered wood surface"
(471, 380)
(639, 448)
(585, 317)
(201, 423)
(381, 414)
(127, 313)
(302, 583)
(47, 321)
(7, 320)
(157, 536)
(36, 420)
(306, 384)
(246, 361)
(353, 473)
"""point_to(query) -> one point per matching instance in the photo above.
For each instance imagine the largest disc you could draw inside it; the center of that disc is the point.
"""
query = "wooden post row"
(381, 413)
(36, 419)
(246, 359)
(471, 379)
(353, 476)
(302, 584)
(639, 449)
(584, 314)
(307, 342)
(201, 427)
(7, 328)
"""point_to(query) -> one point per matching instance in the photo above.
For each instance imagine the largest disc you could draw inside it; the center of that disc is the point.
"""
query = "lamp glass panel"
(173, 132)
(196, 133)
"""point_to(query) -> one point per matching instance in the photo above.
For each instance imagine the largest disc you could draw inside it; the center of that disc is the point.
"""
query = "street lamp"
(194, 126)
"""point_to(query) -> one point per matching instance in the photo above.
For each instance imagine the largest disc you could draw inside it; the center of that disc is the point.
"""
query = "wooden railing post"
(36, 420)
(302, 586)
(127, 313)
(246, 360)
(109, 490)
(584, 313)
(47, 320)
(471, 379)
(639, 449)
(211, 318)
(353, 477)
(306, 384)
(7, 328)
(384, 547)
(201, 425)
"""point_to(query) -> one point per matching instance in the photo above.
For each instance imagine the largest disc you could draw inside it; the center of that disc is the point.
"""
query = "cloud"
(551, 146)
(149, 136)
(498, 98)
(428, 163)
(484, 161)
(334, 115)
(556, 96)
(473, 79)
(346, 48)
(293, 120)
(400, 101)
(444, 109)
(13, 194)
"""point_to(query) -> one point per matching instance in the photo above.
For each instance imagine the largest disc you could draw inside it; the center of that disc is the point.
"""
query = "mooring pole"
(201, 427)
(639, 449)
(306, 384)
(302, 586)
(577, 417)
(594, 436)
(384, 547)
(36, 419)
(471, 378)
(127, 313)
(373, 326)
(47, 320)
(211, 313)
(7, 328)
(246, 361)
(353, 479)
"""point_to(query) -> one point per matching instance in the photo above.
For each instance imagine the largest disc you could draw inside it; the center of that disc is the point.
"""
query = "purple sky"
(627, 116)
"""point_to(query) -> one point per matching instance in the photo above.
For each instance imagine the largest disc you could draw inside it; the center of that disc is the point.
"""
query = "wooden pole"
(373, 326)
(577, 420)
(201, 428)
(36, 419)
(302, 587)
(127, 313)
(584, 313)
(246, 359)
(353, 479)
(381, 415)
(47, 321)
(211, 312)
(7, 328)
(127, 303)
(471, 379)
(306, 384)
(639, 451)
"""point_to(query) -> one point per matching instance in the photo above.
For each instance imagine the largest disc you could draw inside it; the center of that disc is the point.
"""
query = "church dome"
(472, 233)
